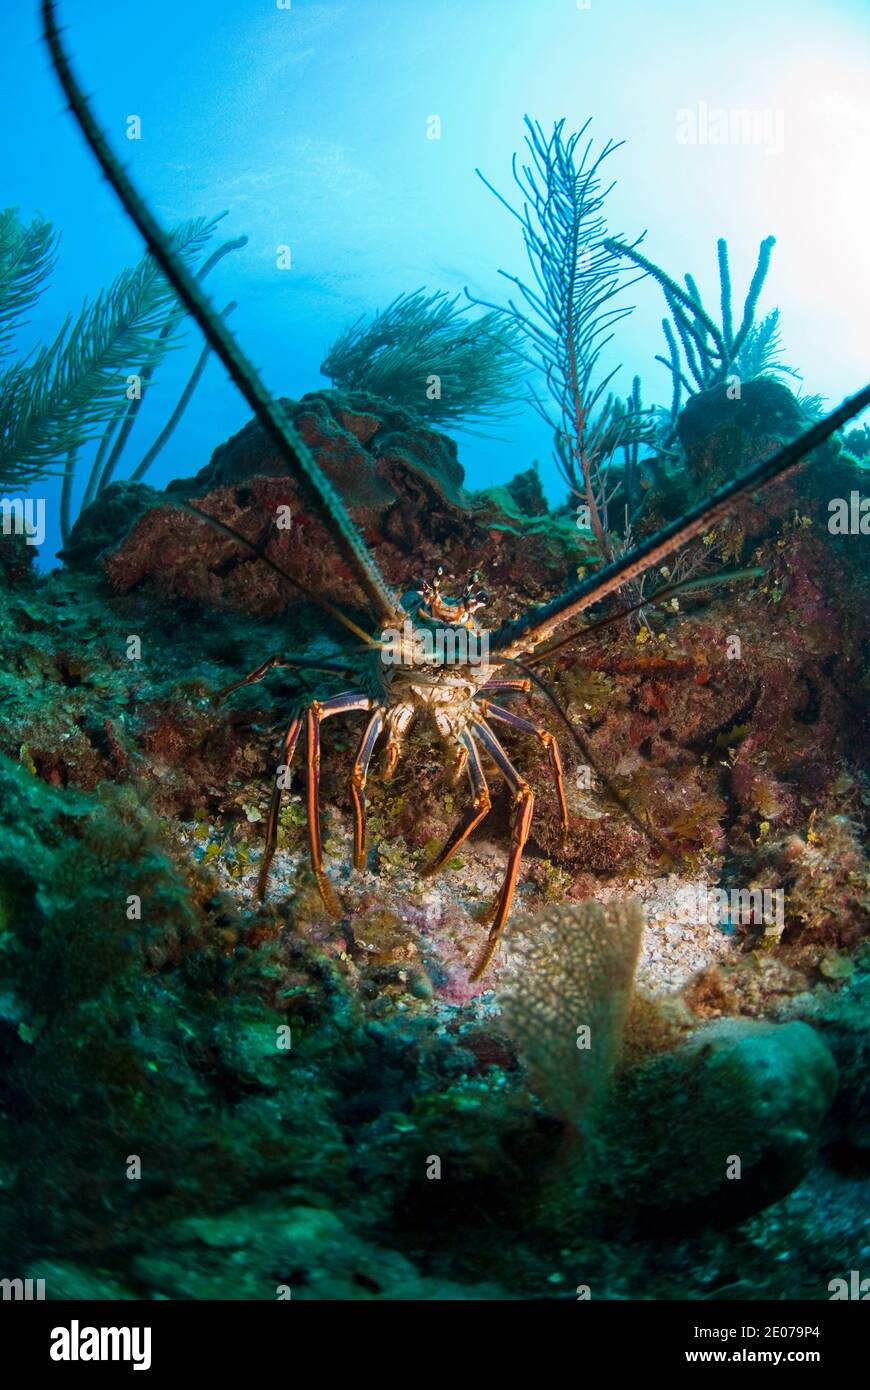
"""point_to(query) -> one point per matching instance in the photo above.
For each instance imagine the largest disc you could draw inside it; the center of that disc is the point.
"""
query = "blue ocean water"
(309, 123)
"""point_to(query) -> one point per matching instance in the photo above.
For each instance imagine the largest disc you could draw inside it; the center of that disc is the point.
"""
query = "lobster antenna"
(682, 586)
(614, 794)
(323, 497)
(538, 623)
(660, 596)
(234, 535)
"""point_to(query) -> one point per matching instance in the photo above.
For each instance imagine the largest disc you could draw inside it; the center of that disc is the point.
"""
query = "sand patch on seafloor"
(439, 933)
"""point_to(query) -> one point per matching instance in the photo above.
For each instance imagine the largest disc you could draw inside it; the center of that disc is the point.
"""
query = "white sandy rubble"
(679, 940)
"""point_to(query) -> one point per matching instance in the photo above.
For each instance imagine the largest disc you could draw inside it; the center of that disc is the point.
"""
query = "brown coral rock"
(402, 482)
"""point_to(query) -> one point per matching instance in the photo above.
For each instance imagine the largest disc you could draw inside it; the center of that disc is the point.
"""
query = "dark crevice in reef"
(810, 711)
(711, 743)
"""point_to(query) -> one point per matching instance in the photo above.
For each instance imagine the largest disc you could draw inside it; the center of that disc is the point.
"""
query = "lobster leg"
(339, 704)
(250, 678)
(317, 712)
(358, 777)
(259, 672)
(544, 736)
(288, 748)
(398, 722)
(524, 805)
(477, 811)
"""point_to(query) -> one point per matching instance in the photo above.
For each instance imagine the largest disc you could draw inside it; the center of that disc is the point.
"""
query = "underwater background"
(239, 1061)
(309, 127)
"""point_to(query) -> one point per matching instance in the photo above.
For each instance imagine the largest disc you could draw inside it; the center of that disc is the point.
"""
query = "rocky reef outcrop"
(401, 480)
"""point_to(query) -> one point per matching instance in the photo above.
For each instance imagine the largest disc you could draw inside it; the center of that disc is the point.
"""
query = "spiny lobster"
(456, 696)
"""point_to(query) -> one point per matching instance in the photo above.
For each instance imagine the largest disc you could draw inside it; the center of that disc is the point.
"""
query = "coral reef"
(230, 1056)
(404, 487)
(329, 1105)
